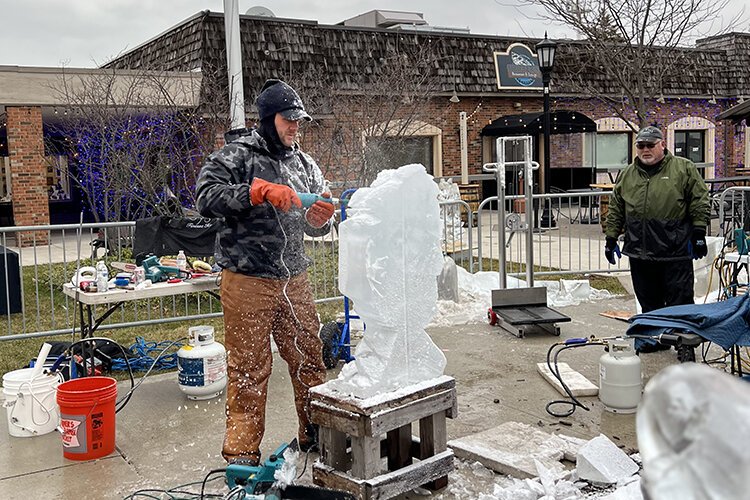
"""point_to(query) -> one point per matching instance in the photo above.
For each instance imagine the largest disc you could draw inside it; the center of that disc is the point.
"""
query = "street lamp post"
(545, 51)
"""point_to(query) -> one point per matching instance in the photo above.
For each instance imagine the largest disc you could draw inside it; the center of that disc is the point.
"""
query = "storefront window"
(690, 144)
(613, 150)
(392, 152)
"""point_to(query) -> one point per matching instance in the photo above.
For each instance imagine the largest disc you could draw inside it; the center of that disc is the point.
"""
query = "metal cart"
(335, 335)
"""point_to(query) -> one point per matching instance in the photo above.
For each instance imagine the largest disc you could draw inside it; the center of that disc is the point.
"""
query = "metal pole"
(547, 219)
(529, 173)
(464, 148)
(501, 221)
(546, 79)
(234, 64)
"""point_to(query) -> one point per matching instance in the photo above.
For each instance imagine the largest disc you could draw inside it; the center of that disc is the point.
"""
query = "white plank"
(577, 383)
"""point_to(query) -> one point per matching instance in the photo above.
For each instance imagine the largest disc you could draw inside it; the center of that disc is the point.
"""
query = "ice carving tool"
(308, 199)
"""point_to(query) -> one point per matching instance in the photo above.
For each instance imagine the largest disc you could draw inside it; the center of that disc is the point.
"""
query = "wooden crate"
(381, 460)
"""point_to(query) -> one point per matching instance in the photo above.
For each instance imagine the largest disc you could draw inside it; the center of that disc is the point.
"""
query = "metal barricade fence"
(573, 245)
(458, 234)
(731, 207)
(32, 303)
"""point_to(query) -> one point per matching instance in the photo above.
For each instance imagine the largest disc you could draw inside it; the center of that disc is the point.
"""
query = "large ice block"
(389, 259)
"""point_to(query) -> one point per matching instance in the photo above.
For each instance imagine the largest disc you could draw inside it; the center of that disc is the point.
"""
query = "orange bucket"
(87, 417)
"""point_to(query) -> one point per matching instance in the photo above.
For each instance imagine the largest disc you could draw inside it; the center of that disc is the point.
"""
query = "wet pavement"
(165, 440)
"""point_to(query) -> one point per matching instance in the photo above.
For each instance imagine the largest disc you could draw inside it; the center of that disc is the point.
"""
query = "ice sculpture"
(389, 258)
(693, 427)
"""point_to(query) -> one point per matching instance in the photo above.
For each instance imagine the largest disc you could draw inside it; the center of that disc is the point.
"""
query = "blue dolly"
(336, 337)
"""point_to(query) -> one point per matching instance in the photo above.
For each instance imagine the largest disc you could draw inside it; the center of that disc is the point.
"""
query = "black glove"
(698, 247)
(611, 248)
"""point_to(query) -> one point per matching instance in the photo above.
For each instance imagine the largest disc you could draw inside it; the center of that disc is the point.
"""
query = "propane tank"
(620, 380)
(202, 364)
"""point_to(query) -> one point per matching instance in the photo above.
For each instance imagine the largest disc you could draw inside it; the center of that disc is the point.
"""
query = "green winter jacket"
(658, 212)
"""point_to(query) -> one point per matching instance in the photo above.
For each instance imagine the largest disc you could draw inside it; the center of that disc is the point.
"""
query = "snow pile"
(475, 290)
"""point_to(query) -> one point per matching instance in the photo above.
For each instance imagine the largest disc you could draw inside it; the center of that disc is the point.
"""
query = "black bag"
(162, 235)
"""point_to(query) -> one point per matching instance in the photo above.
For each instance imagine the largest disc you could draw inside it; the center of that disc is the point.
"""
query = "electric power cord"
(205, 480)
(127, 396)
(294, 315)
(143, 359)
(119, 405)
(173, 493)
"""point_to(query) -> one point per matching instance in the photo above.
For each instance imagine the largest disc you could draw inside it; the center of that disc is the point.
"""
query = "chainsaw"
(259, 481)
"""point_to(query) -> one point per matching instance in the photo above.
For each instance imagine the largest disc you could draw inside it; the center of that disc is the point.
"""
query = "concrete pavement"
(164, 440)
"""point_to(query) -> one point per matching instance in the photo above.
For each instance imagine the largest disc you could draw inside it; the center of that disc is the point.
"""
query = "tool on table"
(128, 267)
(308, 199)
(157, 272)
(84, 275)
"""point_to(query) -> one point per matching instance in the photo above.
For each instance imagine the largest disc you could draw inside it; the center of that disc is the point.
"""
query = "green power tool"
(157, 272)
(258, 481)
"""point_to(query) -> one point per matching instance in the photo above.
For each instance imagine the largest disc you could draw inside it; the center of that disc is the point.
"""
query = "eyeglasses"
(646, 145)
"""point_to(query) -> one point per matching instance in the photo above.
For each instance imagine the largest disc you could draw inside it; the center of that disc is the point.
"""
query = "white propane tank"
(202, 364)
(620, 380)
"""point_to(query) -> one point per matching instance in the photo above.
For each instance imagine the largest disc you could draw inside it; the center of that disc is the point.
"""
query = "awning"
(561, 122)
(736, 113)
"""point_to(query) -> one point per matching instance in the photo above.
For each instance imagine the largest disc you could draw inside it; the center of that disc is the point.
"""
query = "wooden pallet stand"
(381, 460)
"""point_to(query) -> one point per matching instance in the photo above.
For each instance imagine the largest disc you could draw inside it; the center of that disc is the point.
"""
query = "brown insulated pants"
(255, 309)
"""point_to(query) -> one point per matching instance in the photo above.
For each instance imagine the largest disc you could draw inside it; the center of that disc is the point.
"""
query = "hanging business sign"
(517, 69)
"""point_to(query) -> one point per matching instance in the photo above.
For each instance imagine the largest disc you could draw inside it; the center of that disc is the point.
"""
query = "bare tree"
(134, 139)
(637, 46)
(385, 105)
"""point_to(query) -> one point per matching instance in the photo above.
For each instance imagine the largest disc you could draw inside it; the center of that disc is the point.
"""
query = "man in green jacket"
(661, 204)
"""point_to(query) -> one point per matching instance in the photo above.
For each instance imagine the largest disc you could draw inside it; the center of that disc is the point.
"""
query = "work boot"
(309, 442)
(685, 353)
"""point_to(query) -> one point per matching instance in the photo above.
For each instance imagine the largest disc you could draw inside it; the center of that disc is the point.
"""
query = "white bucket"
(30, 406)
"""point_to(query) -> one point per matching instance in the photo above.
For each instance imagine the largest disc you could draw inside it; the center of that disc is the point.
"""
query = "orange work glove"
(278, 195)
(320, 212)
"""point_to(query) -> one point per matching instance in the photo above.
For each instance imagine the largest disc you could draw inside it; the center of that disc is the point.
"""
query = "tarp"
(724, 323)
(163, 235)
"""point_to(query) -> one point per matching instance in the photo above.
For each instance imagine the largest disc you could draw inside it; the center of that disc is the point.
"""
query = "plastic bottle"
(102, 276)
(181, 261)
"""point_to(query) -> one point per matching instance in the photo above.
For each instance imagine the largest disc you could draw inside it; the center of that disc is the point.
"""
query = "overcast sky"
(87, 33)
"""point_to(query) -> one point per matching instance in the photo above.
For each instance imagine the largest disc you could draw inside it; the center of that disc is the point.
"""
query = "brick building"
(386, 89)
(340, 70)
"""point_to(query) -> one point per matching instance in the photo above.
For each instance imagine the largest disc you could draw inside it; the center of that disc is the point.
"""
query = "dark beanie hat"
(278, 97)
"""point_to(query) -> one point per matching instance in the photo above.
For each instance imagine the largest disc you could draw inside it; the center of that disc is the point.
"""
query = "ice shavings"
(389, 260)
(474, 296)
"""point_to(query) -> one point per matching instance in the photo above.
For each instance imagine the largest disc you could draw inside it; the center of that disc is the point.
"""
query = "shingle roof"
(351, 57)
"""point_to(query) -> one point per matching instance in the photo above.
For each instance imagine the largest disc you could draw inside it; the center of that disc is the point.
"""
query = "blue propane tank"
(202, 364)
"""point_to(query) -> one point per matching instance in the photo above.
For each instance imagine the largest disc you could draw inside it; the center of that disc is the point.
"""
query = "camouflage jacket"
(258, 240)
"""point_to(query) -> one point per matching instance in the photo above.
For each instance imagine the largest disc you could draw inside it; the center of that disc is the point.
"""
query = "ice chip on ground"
(601, 461)
(389, 260)
(631, 491)
(693, 426)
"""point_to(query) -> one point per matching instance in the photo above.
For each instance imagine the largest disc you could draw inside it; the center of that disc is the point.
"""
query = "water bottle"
(102, 277)
(181, 261)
